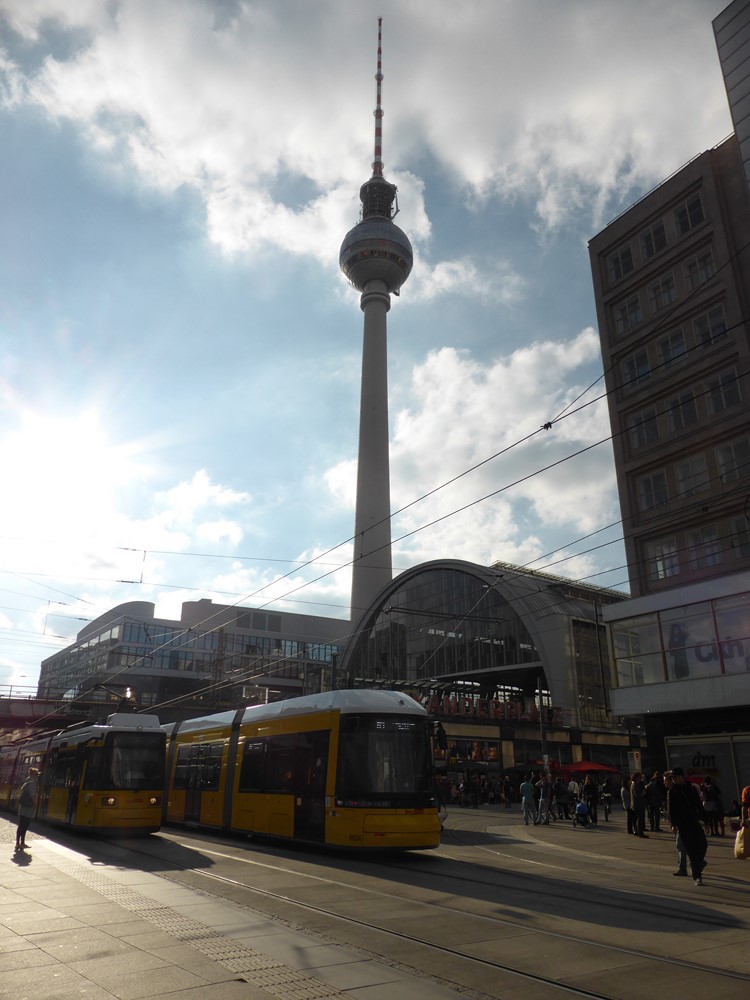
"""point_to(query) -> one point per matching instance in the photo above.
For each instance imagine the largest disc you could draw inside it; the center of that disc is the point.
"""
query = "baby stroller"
(581, 815)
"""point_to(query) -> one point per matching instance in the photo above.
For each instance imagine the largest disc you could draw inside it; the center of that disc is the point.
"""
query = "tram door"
(195, 755)
(75, 783)
(310, 767)
(202, 769)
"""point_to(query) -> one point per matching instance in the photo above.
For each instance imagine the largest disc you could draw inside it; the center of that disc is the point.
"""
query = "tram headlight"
(109, 800)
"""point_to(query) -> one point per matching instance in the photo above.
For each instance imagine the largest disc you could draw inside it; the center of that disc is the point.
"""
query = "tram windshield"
(132, 761)
(384, 760)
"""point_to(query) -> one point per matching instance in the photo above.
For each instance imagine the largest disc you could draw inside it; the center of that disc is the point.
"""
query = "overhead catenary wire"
(406, 535)
(546, 426)
(301, 564)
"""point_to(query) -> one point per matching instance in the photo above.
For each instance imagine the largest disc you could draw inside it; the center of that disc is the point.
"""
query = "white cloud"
(545, 102)
(463, 412)
(187, 498)
(29, 18)
(495, 282)
(215, 532)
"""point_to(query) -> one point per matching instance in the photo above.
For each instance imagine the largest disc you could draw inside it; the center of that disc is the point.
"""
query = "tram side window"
(294, 762)
(252, 770)
(210, 770)
(181, 769)
(59, 769)
(280, 775)
(95, 777)
(198, 766)
(7, 764)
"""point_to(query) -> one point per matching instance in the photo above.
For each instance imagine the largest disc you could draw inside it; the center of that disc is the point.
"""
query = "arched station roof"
(451, 620)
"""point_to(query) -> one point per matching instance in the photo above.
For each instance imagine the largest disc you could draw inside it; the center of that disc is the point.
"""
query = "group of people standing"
(544, 799)
(643, 801)
(670, 798)
(692, 814)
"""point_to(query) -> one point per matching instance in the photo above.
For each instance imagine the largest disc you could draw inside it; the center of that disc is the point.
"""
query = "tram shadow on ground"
(149, 853)
(509, 894)
(479, 838)
(519, 896)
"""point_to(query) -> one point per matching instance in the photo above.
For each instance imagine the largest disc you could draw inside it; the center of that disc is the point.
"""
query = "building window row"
(683, 409)
(691, 475)
(696, 549)
(671, 348)
(653, 239)
(663, 291)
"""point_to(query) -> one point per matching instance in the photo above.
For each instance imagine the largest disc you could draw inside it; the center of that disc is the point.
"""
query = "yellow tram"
(100, 778)
(342, 768)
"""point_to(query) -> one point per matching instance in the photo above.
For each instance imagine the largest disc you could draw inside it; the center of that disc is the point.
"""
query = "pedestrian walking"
(679, 846)
(686, 817)
(528, 792)
(544, 788)
(711, 797)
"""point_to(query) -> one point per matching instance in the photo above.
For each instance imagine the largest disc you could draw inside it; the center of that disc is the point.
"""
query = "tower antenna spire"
(377, 163)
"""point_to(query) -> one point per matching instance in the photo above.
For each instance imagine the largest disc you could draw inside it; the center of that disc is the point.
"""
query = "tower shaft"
(372, 567)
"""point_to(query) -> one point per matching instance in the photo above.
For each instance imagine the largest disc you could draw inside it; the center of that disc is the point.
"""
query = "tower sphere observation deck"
(376, 249)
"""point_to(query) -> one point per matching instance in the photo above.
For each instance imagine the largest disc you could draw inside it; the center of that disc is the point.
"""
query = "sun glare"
(63, 478)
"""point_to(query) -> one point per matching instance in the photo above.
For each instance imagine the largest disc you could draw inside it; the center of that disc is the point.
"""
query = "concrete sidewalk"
(75, 927)
(69, 929)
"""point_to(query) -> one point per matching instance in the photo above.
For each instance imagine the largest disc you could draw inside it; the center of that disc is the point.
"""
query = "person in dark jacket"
(638, 804)
(686, 817)
(590, 795)
(625, 798)
(656, 795)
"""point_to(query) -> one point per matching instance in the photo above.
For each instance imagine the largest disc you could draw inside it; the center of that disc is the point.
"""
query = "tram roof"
(355, 701)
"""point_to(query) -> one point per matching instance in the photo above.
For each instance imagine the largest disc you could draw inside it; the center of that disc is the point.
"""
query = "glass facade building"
(214, 656)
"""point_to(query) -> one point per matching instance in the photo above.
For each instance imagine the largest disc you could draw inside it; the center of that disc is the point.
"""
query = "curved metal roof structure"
(450, 623)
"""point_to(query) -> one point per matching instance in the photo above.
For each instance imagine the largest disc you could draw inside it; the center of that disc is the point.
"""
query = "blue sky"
(179, 354)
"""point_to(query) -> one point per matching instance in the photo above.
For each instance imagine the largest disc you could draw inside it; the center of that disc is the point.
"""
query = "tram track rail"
(425, 881)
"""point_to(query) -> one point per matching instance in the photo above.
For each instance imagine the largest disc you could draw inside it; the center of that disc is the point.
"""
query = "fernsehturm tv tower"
(376, 257)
